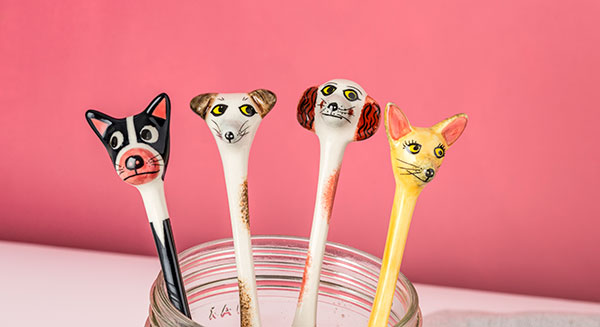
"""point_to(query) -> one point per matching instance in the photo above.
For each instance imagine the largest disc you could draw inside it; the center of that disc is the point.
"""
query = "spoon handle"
(329, 171)
(236, 174)
(402, 211)
(170, 266)
(153, 195)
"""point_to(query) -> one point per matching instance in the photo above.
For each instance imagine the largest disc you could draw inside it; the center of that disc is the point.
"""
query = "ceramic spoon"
(233, 118)
(417, 154)
(339, 112)
(139, 149)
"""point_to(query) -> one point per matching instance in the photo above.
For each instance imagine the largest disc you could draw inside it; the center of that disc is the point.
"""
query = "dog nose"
(429, 173)
(134, 162)
(333, 106)
(229, 136)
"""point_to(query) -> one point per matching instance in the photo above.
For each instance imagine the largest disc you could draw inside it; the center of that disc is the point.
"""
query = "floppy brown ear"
(369, 120)
(264, 99)
(201, 103)
(306, 108)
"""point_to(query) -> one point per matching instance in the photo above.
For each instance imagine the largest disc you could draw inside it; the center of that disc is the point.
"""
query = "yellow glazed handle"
(416, 154)
(402, 210)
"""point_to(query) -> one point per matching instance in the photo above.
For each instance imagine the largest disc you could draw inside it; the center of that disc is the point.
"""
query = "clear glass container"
(348, 284)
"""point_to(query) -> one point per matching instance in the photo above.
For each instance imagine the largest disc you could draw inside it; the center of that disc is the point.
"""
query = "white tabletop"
(50, 286)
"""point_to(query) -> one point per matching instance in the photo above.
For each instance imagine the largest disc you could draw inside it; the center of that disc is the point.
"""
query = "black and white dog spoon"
(139, 149)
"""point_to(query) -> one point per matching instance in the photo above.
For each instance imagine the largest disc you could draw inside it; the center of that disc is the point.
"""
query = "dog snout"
(134, 162)
(332, 106)
(229, 136)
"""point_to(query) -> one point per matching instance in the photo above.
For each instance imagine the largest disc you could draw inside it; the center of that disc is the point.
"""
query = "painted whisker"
(218, 127)
(406, 162)
(409, 168)
(336, 116)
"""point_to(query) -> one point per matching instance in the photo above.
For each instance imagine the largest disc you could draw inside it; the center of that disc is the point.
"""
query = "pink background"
(513, 209)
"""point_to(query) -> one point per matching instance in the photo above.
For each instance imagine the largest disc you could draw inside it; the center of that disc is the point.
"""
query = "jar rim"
(411, 312)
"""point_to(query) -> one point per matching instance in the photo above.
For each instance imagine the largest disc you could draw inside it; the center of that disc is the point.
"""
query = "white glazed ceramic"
(233, 119)
(339, 112)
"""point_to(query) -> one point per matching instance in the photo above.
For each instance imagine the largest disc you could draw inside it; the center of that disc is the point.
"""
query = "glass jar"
(348, 284)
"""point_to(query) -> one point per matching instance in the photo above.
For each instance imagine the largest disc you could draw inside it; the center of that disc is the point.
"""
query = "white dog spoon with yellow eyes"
(339, 112)
(233, 119)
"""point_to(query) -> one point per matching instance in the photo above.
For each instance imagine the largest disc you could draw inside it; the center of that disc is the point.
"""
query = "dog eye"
(116, 140)
(351, 95)
(439, 151)
(327, 90)
(412, 147)
(247, 110)
(218, 110)
(149, 134)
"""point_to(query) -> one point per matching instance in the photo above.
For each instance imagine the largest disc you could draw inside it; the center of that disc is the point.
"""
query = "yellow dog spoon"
(417, 154)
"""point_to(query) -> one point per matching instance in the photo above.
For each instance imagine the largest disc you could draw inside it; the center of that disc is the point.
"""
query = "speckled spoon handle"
(339, 112)
(233, 118)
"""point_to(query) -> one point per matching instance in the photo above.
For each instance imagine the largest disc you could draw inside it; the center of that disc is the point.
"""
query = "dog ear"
(264, 99)
(452, 128)
(201, 103)
(160, 107)
(369, 120)
(396, 123)
(99, 122)
(306, 107)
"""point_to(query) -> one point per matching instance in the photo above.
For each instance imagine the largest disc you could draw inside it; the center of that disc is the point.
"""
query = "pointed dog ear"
(306, 108)
(160, 107)
(99, 122)
(396, 123)
(264, 99)
(201, 103)
(451, 128)
(369, 120)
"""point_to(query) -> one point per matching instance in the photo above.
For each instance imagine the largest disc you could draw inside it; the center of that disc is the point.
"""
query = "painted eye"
(412, 147)
(439, 151)
(149, 134)
(218, 110)
(247, 110)
(116, 140)
(351, 95)
(327, 90)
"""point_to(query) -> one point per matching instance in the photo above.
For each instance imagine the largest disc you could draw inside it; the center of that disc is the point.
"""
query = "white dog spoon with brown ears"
(233, 118)
(339, 112)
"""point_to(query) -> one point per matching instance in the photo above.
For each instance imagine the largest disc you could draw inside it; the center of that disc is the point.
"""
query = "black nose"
(134, 162)
(429, 172)
(229, 136)
(333, 106)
